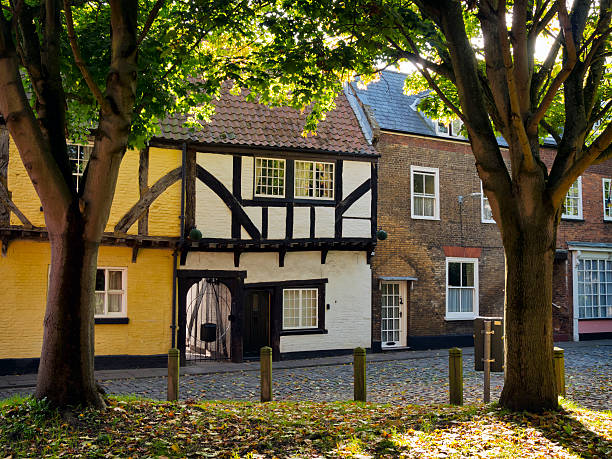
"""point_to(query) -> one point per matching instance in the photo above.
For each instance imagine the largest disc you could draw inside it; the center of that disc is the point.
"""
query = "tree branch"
(150, 19)
(91, 84)
(34, 150)
(565, 71)
(598, 151)
(435, 86)
(515, 107)
(553, 133)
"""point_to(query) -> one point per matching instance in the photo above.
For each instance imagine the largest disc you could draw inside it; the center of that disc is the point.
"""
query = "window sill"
(305, 331)
(594, 318)
(111, 320)
(453, 318)
(572, 219)
(416, 217)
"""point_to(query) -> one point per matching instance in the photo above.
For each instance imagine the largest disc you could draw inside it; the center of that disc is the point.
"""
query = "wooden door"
(256, 321)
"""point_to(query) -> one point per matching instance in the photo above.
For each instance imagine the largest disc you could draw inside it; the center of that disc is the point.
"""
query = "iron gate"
(207, 328)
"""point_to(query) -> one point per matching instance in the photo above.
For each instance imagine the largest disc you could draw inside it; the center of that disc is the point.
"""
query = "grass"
(134, 427)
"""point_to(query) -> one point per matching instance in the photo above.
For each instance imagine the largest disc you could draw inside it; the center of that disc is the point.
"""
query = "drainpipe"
(180, 246)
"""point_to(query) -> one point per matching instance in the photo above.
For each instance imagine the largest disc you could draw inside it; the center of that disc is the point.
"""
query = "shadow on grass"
(560, 427)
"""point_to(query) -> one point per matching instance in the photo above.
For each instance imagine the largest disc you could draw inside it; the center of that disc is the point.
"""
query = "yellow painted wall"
(23, 287)
(23, 193)
(164, 212)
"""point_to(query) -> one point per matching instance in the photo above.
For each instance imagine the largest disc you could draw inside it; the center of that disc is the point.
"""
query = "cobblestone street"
(409, 380)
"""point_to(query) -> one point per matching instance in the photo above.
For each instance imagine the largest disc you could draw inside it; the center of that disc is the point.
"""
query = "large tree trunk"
(529, 382)
(66, 371)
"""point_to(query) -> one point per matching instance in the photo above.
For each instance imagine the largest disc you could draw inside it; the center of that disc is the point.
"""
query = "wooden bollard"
(265, 362)
(559, 368)
(359, 374)
(173, 374)
(455, 376)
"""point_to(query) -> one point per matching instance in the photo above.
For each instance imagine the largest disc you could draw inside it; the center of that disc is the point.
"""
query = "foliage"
(231, 429)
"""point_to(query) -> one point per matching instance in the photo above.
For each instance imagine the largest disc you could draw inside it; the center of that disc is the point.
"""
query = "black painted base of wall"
(101, 362)
(594, 336)
(376, 346)
(419, 343)
(316, 354)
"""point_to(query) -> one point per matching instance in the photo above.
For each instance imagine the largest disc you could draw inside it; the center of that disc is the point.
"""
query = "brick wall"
(414, 248)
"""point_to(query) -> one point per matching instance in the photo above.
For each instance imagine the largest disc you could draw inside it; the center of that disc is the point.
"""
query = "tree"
(479, 59)
(109, 70)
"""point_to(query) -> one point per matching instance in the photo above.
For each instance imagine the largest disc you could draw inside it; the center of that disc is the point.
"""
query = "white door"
(393, 314)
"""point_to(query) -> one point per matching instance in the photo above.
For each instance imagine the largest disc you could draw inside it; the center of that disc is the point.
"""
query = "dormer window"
(314, 180)
(452, 129)
(269, 177)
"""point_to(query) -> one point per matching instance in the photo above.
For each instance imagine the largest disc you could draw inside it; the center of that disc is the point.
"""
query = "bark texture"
(66, 371)
(5, 214)
(529, 378)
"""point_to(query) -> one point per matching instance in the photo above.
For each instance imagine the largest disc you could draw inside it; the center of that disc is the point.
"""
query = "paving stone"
(407, 381)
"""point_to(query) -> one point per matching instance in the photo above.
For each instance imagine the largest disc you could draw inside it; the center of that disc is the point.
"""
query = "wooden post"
(265, 361)
(455, 376)
(173, 374)
(487, 361)
(359, 374)
(559, 368)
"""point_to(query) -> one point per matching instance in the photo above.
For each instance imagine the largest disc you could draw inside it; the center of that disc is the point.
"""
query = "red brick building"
(442, 264)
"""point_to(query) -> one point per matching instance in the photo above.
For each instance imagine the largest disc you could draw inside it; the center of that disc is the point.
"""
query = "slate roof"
(393, 109)
(241, 123)
(396, 111)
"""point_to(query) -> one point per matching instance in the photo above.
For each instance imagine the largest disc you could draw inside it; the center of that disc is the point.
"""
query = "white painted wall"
(362, 207)
(254, 214)
(212, 216)
(221, 166)
(348, 291)
(325, 222)
(301, 222)
(356, 228)
(277, 222)
(248, 170)
(354, 173)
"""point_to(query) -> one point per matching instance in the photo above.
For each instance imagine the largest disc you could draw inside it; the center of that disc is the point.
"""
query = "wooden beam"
(281, 257)
(237, 254)
(143, 185)
(324, 256)
(143, 204)
(135, 252)
(190, 189)
(229, 199)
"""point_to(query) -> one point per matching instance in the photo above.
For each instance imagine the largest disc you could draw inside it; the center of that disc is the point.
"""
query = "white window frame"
(314, 164)
(123, 291)
(484, 198)
(80, 159)
(607, 208)
(427, 171)
(565, 216)
(595, 257)
(463, 315)
(453, 128)
(301, 326)
(255, 177)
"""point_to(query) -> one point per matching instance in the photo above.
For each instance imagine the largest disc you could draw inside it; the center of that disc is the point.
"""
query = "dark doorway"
(209, 311)
(256, 321)
(210, 314)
